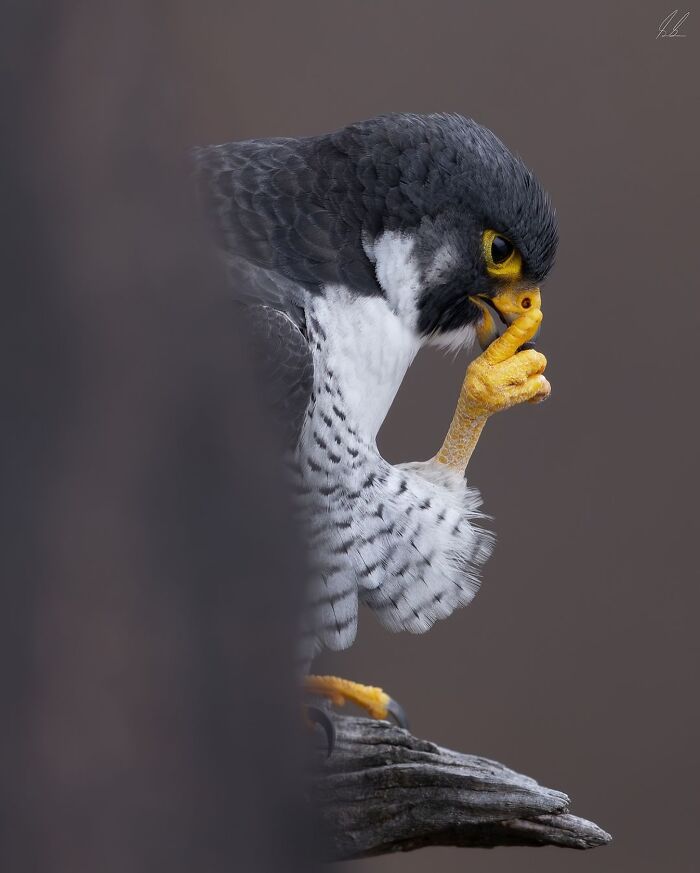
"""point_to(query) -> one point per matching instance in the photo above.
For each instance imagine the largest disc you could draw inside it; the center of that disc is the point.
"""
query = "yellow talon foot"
(499, 378)
(373, 700)
(502, 376)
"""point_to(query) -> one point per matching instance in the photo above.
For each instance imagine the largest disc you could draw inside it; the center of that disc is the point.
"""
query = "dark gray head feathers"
(302, 207)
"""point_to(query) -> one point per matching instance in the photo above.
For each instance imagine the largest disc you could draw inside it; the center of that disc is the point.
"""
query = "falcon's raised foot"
(374, 701)
(508, 372)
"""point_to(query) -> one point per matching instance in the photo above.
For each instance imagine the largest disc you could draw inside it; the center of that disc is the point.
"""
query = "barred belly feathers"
(405, 539)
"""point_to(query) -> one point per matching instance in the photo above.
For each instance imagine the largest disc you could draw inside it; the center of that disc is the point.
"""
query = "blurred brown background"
(577, 663)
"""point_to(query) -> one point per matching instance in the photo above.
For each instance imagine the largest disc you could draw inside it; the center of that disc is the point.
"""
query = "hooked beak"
(506, 306)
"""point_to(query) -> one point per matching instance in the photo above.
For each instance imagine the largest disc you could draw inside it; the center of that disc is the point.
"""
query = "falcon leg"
(375, 701)
(501, 377)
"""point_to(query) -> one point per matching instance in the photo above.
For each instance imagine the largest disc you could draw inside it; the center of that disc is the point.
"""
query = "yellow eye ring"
(510, 268)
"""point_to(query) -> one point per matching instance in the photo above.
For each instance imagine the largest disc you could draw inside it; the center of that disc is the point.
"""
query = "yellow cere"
(512, 304)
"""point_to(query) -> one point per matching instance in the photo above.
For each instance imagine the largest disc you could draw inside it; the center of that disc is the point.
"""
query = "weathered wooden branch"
(384, 790)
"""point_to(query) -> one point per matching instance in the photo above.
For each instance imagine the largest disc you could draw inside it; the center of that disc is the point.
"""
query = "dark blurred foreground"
(149, 585)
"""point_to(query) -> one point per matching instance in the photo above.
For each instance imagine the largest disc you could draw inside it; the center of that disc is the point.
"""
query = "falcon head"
(455, 226)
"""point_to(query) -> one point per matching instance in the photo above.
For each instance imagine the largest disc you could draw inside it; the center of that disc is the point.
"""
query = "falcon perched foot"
(373, 700)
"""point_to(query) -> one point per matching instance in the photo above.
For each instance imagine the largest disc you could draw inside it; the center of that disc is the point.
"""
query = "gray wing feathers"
(247, 190)
(286, 364)
(290, 206)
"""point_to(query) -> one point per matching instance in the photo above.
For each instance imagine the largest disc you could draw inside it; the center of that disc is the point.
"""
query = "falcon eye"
(503, 261)
(501, 249)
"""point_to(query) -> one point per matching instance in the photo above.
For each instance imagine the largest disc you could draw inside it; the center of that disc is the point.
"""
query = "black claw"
(324, 721)
(397, 712)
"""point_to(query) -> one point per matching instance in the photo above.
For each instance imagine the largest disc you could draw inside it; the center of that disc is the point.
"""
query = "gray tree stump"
(384, 790)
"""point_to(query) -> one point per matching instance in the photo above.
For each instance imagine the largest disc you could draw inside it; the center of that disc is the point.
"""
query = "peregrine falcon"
(349, 252)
